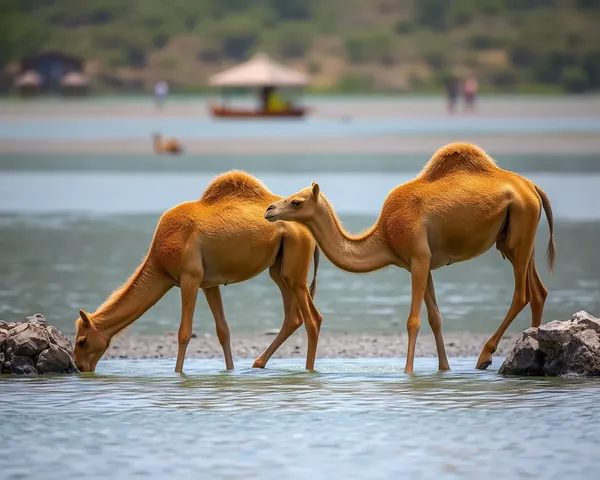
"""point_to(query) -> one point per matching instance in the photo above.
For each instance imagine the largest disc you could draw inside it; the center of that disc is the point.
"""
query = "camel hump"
(457, 157)
(234, 184)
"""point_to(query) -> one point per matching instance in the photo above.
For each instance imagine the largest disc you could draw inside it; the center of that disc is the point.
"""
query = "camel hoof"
(258, 364)
(483, 365)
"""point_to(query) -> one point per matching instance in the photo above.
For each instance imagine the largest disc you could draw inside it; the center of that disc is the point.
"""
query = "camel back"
(235, 184)
(457, 157)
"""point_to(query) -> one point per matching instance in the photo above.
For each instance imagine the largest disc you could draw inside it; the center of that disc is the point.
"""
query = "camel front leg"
(435, 322)
(419, 271)
(215, 303)
(292, 318)
(189, 285)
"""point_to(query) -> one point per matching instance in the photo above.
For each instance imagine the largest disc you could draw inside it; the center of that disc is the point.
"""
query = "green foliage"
(371, 46)
(291, 40)
(574, 80)
(548, 44)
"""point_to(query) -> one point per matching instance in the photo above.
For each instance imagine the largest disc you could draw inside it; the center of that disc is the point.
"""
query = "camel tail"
(313, 285)
(551, 249)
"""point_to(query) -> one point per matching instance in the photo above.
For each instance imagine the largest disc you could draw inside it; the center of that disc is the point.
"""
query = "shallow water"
(354, 419)
(73, 229)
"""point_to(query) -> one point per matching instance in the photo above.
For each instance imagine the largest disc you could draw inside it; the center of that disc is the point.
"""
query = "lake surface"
(354, 419)
(73, 229)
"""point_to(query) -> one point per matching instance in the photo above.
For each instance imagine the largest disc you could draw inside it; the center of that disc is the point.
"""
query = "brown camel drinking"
(454, 210)
(220, 239)
(170, 145)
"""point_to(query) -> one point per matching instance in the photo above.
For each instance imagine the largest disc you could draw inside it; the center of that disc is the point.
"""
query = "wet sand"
(458, 344)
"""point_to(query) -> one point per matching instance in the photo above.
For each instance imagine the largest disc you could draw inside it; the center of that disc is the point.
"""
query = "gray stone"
(54, 360)
(37, 318)
(525, 359)
(1, 359)
(582, 354)
(21, 365)
(588, 321)
(18, 328)
(3, 325)
(530, 332)
(57, 338)
(28, 342)
(556, 334)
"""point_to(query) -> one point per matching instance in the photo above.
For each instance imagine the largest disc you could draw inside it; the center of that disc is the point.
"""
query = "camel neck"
(362, 253)
(129, 302)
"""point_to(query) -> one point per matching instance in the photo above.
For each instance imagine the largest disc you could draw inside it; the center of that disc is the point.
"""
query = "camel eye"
(296, 203)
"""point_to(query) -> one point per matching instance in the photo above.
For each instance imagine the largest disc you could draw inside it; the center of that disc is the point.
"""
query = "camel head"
(90, 343)
(299, 207)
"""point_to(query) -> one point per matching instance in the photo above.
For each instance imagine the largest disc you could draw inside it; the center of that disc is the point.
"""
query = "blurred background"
(355, 46)
(369, 89)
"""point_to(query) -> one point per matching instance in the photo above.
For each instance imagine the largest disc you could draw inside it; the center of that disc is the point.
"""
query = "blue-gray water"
(354, 419)
(73, 228)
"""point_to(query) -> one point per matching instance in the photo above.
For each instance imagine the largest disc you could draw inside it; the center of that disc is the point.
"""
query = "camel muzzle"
(271, 214)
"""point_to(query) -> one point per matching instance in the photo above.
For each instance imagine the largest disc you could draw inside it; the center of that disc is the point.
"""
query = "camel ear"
(85, 317)
(315, 190)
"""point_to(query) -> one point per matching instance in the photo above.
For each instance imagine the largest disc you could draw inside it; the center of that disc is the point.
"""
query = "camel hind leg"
(538, 293)
(435, 322)
(517, 247)
(215, 303)
(292, 318)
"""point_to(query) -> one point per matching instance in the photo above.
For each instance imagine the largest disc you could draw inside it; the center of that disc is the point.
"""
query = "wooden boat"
(219, 111)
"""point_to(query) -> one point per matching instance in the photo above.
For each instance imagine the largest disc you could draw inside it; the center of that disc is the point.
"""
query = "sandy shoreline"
(401, 109)
(499, 144)
(331, 345)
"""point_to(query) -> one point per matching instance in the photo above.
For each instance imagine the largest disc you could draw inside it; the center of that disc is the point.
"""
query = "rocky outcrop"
(34, 347)
(570, 347)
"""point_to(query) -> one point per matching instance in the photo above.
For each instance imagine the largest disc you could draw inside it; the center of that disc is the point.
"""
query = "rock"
(525, 359)
(29, 342)
(3, 325)
(557, 333)
(54, 360)
(57, 338)
(583, 354)
(530, 332)
(570, 347)
(20, 365)
(37, 318)
(34, 347)
(587, 320)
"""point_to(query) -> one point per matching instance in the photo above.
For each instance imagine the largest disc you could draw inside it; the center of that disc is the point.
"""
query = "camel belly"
(243, 258)
(459, 242)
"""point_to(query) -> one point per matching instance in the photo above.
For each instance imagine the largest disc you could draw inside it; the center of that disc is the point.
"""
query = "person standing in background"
(161, 89)
(469, 93)
(452, 92)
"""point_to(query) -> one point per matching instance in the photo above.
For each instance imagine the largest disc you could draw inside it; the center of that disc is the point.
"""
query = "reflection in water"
(354, 418)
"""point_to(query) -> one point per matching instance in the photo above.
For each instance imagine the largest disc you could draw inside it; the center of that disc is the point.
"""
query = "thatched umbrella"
(261, 72)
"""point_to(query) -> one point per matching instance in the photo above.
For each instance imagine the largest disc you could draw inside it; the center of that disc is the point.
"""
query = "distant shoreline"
(361, 108)
(331, 345)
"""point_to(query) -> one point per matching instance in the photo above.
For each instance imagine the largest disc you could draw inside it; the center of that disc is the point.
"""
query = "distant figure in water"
(452, 92)
(161, 89)
(169, 146)
(469, 93)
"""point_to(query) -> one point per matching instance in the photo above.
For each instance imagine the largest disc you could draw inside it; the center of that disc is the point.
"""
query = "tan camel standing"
(218, 240)
(454, 210)
(170, 145)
